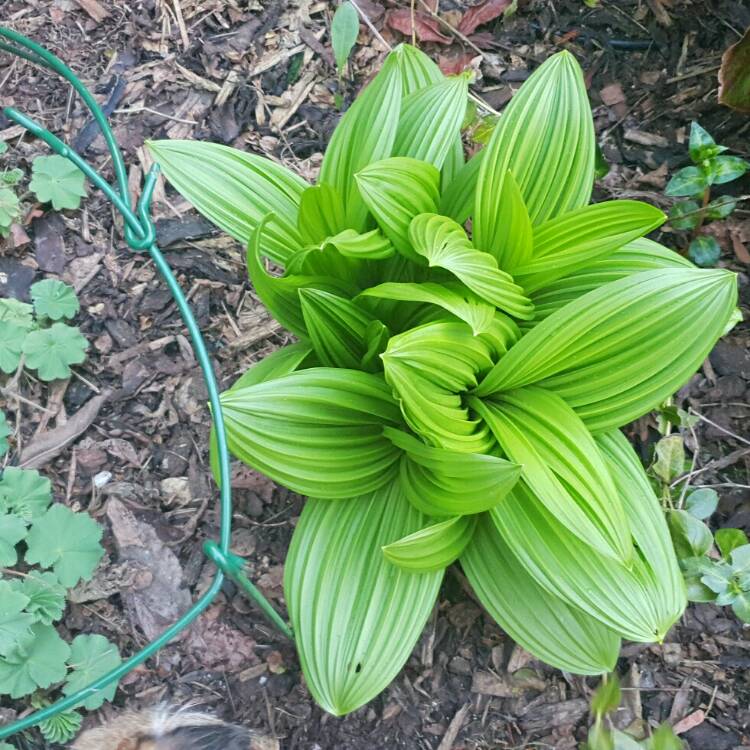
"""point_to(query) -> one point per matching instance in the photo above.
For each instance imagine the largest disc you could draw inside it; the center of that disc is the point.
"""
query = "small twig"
(720, 428)
(453, 30)
(12, 394)
(136, 110)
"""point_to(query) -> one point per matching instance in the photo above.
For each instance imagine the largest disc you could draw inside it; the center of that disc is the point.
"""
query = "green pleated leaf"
(514, 236)
(396, 190)
(575, 239)
(356, 616)
(545, 137)
(540, 622)
(447, 483)
(371, 245)
(317, 431)
(639, 255)
(321, 214)
(431, 120)
(280, 294)
(278, 363)
(429, 368)
(661, 570)
(364, 135)
(434, 547)
(417, 69)
(457, 200)
(622, 349)
(444, 244)
(337, 328)
(561, 465)
(453, 297)
(235, 190)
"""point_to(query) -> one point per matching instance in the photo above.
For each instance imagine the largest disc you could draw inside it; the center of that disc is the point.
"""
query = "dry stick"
(720, 428)
(370, 25)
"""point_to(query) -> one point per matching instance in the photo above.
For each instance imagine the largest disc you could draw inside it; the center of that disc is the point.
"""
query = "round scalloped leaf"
(5, 432)
(25, 492)
(52, 350)
(14, 622)
(17, 312)
(46, 596)
(12, 531)
(54, 299)
(66, 541)
(12, 337)
(57, 180)
(8, 209)
(91, 657)
(36, 661)
(60, 729)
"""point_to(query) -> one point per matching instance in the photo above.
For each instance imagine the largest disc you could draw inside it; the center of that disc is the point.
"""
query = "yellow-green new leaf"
(356, 616)
(429, 368)
(321, 214)
(317, 431)
(639, 255)
(444, 244)
(453, 297)
(545, 137)
(575, 239)
(543, 624)
(431, 120)
(622, 349)
(457, 200)
(447, 483)
(364, 135)
(235, 190)
(371, 245)
(396, 190)
(561, 465)
(434, 547)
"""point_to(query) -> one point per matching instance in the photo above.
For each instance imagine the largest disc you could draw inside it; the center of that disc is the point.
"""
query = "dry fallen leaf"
(426, 29)
(483, 13)
(734, 75)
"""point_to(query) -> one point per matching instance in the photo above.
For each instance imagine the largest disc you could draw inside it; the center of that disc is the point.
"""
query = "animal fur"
(164, 729)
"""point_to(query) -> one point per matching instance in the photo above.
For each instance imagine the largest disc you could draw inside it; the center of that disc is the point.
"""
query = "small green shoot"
(344, 32)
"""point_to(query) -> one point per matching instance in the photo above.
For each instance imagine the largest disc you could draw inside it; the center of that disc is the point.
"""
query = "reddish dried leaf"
(740, 250)
(481, 14)
(425, 28)
(689, 722)
(455, 64)
(734, 75)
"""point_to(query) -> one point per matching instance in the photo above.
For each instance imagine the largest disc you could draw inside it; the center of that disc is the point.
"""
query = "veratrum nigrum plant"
(458, 387)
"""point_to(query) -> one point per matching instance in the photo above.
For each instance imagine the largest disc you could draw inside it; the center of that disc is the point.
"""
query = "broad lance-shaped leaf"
(317, 431)
(280, 294)
(444, 483)
(429, 368)
(561, 465)
(235, 190)
(639, 255)
(545, 625)
(337, 328)
(281, 362)
(396, 190)
(633, 602)
(364, 135)
(431, 120)
(444, 244)
(373, 245)
(575, 239)
(321, 214)
(453, 297)
(356, 616)
(434, 547)
(545, 137)
(622, 349)
(457, 200)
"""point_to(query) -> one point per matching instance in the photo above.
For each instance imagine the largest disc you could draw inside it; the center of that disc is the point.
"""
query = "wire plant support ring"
(140, 236)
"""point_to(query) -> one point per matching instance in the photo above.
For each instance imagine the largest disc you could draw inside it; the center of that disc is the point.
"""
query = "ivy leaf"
(52, 350)
(12, 337)
(12, 531)
(677, 215)
(14, 622)
(5, 431)
(57, 180)
(66, 541)
(689, 181)
(704, 251)
(25, 492)
(9, 209)
(35, 662)
(344, 33)
(91, 657)
(46, 596)
(54, 299)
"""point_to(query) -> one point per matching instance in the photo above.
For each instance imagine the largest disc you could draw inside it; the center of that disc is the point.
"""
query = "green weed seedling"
(45, 550)
(711, 166)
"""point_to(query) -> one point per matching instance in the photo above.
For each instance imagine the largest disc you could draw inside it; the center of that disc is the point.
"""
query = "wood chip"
(645, 139)
(454, 728)
(97, 11)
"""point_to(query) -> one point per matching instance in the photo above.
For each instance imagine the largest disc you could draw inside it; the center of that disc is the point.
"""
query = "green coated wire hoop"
(140, 236)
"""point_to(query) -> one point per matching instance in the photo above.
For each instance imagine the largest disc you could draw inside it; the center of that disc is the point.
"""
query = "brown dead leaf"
(455, 64)
(739, 247)
(734, 75)
(426, 29)
(481, 14)
(691, 721)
